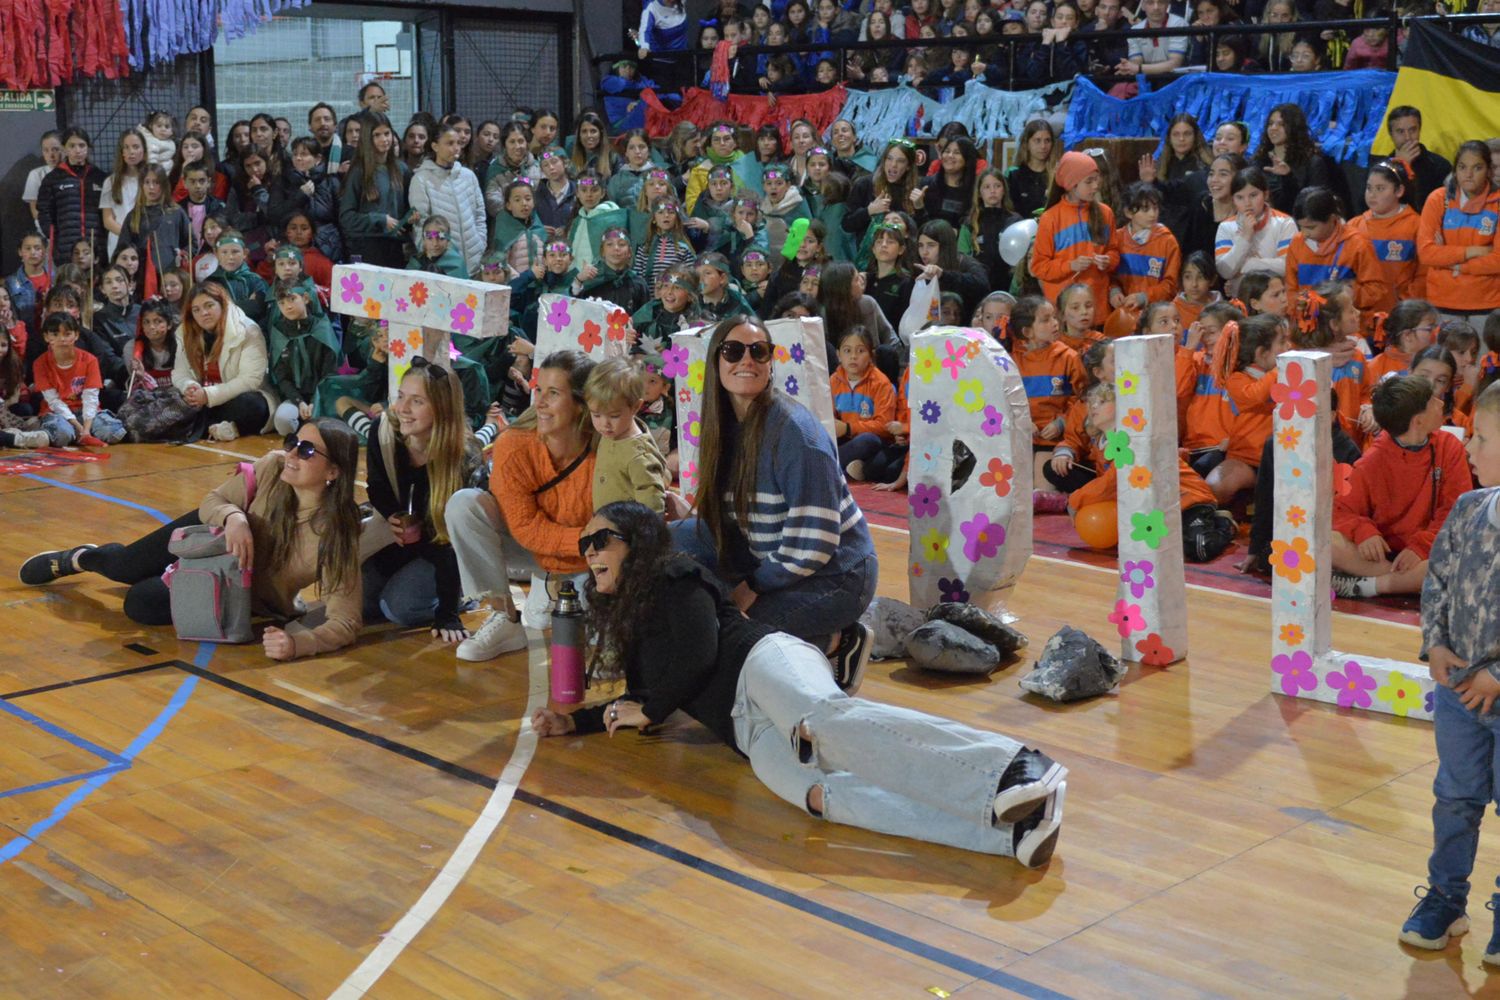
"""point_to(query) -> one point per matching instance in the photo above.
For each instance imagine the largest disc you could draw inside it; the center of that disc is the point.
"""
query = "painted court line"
(164, 519)
(92, 785)
(910, 945)
(467, 852)
(113, 762)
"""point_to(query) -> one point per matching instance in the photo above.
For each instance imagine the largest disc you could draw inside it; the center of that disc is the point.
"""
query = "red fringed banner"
(46, 43)
(752, 111)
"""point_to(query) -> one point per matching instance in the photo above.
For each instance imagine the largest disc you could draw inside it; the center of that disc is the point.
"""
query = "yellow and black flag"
(1455, 83)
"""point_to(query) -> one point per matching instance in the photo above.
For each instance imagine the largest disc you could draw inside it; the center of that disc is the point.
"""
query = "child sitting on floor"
(68, 379)
(1206, 530)
(1400, 492)
(864, 403)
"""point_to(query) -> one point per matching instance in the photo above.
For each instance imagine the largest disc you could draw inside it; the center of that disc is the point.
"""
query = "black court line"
(858, 925)
(80, 681)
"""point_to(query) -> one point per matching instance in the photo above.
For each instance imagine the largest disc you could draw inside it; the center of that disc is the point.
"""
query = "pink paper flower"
(1296, 672)
(1355, 687)
(353, 288)
(1127, 618)
(982, 538)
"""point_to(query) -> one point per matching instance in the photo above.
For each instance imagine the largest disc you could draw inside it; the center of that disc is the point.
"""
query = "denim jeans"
(816, 608)
(487, 554)
(861, 448)
(60, 432)
(881, 768)
(1467, 748)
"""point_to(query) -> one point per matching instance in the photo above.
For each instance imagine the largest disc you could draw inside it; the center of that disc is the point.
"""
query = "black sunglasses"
(597, 540)
(304, 450)
(733, 350)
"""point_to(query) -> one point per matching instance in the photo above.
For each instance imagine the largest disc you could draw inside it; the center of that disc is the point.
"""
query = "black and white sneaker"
(44, 567)
(1346, 584)
(1036, 835)
(852, 657)
(1031, 778)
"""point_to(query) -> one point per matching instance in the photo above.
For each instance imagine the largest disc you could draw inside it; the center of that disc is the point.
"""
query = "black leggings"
(140, 564)
(887, 464)
(1078, 477)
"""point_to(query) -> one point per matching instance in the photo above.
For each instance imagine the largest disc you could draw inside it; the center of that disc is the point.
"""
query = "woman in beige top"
(301, 526)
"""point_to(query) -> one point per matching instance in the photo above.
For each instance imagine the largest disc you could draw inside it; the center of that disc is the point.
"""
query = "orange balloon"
(1097, 525)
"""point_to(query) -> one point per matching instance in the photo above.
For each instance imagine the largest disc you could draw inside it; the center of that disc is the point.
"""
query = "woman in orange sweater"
(1245, 364)
(1460, 235)
(1391, 226)
(1327, 249)
(1074, 234)
(1050, 370)
(540, 497)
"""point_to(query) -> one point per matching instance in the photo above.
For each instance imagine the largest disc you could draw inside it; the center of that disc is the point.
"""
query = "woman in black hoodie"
(683, 644)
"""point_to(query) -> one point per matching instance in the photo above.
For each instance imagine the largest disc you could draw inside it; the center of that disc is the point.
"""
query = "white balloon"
(1016, 240)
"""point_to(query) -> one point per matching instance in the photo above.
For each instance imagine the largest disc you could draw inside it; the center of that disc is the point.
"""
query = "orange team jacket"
(1076, 441)
(1349, 393)
(1344, 256)
(1395, 243)
(866, 407)
(1150, 266)
(1191, 488)
(546, 525)
(1250, 399)
(1188, 312)
(1209, 415)
(1080, 344)
(1402, 495)
(1062, 236)
(1185, 362)
(1053, 376)
(1447, 230)
(1382, 366)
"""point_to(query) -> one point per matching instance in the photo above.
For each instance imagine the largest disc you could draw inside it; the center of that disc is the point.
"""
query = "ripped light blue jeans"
(881, 768)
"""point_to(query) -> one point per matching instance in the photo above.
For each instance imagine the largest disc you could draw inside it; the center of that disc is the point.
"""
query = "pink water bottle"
(566, 669)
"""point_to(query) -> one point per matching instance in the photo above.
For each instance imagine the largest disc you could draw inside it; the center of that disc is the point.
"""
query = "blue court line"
(146, 736)
(164, 519)
(113, 761)
(92, 785)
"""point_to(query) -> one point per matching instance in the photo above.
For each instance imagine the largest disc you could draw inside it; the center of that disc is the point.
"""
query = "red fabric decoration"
(718, 71)
(750, 110)
(46, 43)
(59, 43)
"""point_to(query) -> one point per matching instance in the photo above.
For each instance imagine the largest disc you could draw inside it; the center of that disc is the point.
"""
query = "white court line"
(464, 856)
(335, 704)
(1192, 586)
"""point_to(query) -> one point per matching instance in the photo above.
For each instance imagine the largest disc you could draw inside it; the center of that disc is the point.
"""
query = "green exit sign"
(27, 100)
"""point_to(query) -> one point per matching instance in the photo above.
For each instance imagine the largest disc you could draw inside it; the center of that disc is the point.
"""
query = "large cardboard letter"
(1304, 663)
(598, 328)
(970, 524)
(1150, 610)
(422, 310)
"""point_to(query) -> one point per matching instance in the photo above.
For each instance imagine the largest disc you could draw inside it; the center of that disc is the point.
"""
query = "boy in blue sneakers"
(1461, 643)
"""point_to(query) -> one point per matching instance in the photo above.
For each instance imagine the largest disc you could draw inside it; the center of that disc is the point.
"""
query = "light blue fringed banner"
(1345, 110)
(996, 114)
(880, 115)
(987, 112)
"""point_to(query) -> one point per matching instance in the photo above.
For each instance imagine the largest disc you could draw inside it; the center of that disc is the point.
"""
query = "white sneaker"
(224, 430)
(31, 439)
(497, 635)
(536, 613)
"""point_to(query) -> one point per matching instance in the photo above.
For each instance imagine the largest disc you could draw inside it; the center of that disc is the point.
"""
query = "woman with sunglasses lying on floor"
(772, 697)
(775, 519)
(300, 527)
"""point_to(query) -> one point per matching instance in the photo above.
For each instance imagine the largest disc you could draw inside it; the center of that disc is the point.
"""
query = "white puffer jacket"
(242, 364)
(452, 192)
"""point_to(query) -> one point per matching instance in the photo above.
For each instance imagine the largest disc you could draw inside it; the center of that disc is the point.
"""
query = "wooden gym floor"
(253, 829)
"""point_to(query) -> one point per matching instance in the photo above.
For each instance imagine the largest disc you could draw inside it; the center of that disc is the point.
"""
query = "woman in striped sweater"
(774, 514)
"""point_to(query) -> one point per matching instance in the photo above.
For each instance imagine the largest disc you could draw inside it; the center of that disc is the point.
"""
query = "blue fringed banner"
(158, 31)
(1345, 110)
(987, 112)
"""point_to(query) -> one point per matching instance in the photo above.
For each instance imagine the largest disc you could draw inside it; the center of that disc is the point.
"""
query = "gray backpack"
(210, 593)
